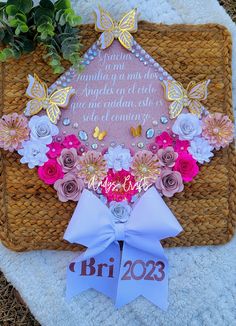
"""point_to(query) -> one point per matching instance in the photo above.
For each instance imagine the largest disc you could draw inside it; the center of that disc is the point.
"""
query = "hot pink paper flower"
(181, 145)
(50, 172)
(218, 129)
(69, 188)
(153, 147)
(82, 149)
(119, 186)
(187, 166)
(164, 140)
(71, 141)
(55, 150)
(13, 131)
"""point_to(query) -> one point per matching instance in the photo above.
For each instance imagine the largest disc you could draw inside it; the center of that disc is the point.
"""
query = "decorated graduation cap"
(116, 138)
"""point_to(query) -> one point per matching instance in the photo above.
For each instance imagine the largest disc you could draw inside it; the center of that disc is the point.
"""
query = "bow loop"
(90, 224)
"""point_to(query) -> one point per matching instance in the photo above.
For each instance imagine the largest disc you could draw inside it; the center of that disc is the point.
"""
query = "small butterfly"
(182, 98)
(136, 132)
(111, 29)
(100, 135)
(38, 91)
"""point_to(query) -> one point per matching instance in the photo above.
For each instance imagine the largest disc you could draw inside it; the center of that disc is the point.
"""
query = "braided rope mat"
(31, 215)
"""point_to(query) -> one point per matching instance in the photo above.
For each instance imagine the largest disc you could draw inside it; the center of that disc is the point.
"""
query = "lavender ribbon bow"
(141, 268)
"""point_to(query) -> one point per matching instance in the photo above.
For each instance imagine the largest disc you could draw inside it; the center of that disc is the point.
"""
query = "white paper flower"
(33, 153)
(118, 158)
(121, 211)
(200, 150)
(42, 129)
(187, 126)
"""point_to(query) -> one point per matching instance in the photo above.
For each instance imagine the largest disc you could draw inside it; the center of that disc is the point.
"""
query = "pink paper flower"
(55, 150)
(218, 129)
(167, 156)
(187, 166)
(153, 147)
(50, 172)
(13, 131)
(119, 186)
(68, 159)
(69, 188)
(181, 145)
(92, 168)
(145, 167)
(82, 149)
(169, 182)
(164, 140)
(71, 141)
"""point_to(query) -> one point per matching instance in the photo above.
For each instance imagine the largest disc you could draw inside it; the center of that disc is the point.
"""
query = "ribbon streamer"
(141, 268)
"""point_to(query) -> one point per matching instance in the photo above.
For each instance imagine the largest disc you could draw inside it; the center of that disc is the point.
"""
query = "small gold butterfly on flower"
(100, 135)
(38, 92)
(136, 132)
(111, 29)
(181, 98)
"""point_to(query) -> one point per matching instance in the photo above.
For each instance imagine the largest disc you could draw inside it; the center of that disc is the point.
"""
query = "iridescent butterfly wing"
(104, 23)
(174, 92)
(37, 90)
(128, 24)
(59, 98)
(197, 92)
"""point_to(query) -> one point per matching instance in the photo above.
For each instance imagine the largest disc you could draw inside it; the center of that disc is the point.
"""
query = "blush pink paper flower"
(181, 145)
(167, 156)
(164, 140)
(13, 131)
(71, 141)
(68, 159)
(119, 186)
(69, 188)
(145, 167)
(92, 168)
(55, 149)
(50, 172)
(187, 166)
(218, 129)
(169, 182)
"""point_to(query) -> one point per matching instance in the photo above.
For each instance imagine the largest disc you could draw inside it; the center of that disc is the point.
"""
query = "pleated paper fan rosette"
(146, 127)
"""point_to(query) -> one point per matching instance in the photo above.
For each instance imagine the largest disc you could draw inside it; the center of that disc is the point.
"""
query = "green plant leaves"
(42, 12)
(6, 54)
(47, 4)
(11, 10)
(22, 5)
(62, 4)
(55, 25)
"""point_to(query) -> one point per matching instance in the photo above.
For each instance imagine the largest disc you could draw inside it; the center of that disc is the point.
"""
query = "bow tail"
(100, 272)
(142, 273)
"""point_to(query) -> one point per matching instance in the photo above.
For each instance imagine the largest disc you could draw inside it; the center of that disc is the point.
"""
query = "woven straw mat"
(31, 215)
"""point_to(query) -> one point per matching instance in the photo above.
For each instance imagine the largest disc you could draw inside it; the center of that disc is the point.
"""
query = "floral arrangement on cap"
(117, 175)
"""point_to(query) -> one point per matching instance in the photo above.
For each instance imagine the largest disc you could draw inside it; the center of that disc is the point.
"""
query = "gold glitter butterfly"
(181, 98)
(111, 29)
(38, 91)
(136, 132)
(100, 135)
